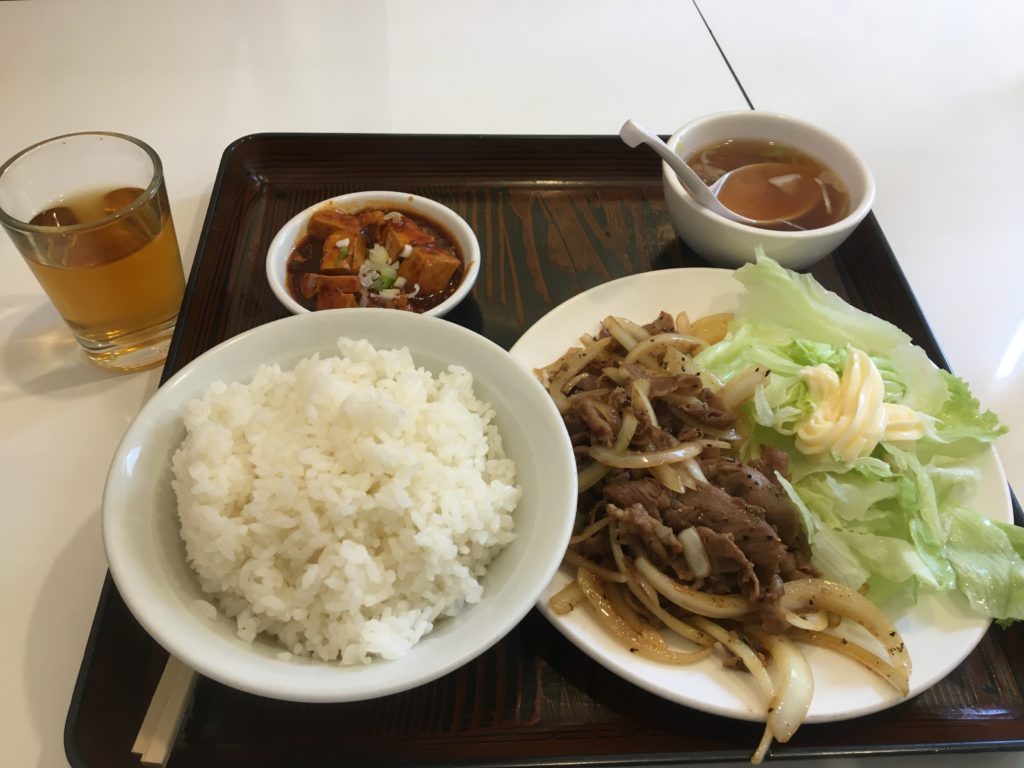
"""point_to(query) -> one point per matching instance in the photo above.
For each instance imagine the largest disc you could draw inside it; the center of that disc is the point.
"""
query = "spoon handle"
(634, 134)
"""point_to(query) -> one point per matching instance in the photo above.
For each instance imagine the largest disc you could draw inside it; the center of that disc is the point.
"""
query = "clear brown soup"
(715, 160)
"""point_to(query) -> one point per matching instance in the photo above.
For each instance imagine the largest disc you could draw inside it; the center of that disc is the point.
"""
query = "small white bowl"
(286, 238)
(728, 243)
(141, 531)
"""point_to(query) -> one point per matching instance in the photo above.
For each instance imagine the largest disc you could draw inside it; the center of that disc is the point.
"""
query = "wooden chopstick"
(166, 711)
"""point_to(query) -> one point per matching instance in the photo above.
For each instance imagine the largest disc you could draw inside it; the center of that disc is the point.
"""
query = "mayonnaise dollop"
(850, 417)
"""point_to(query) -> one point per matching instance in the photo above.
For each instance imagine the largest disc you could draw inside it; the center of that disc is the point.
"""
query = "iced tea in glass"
(90, 215)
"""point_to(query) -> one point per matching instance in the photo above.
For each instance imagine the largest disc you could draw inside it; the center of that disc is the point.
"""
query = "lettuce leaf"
(893, 521)
(960, 418)
(987, 559)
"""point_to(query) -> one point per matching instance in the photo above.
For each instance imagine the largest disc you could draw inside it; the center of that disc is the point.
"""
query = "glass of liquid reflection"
(89, 213)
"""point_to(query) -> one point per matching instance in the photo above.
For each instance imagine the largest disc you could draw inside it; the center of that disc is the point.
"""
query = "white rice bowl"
(149, 561)
(345, 505)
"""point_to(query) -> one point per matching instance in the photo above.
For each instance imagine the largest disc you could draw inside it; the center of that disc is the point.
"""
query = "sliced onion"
(818, 594)
(648, 643)
(617, 375)
(590, 530)
(695, 471)
(677, 340)
(653, 646)
(577, 364)
(616, 331)
(714, 443)
(682, 322)
(742, 386)
(645, 459)
(637, 331)
(673, 361)
(762, 748)
(813, 622)
(566, 598)
(667, 475)
(694, 601)
(639, 399)
(855, 652)
(793, 680)
(581, 563)
(693, 550)
(599, 392)
(590, 476)
(680, 627)
(742, 651)
(617, 597)
(593, 473)
(648, 598)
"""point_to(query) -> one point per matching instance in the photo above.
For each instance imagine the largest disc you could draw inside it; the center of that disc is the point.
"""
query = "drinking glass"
(89, 213)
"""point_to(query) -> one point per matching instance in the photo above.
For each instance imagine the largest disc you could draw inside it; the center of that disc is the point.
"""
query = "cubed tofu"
(343, 252)
(430, 266)
(401, 231)
(327, 220)
(336, 291)
(308, 284)
(312, 284)
(331, 299)
(373, 223)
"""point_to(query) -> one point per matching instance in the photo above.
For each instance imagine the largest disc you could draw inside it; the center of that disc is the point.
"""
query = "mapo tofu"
(373, 258)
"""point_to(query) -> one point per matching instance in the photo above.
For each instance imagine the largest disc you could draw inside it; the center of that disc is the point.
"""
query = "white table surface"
(191, 76)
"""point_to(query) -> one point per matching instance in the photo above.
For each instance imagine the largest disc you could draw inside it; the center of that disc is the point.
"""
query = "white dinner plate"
(940, 630)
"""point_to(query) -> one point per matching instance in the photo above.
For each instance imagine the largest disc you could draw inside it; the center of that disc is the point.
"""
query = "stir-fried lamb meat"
(663, 323)
(750, 484)
(726, 557)
(601, 418)
(659, 538)
(669, 465)
(709, 411)
(645, 491)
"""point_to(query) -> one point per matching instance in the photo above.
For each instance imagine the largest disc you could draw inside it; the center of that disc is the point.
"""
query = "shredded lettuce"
(893, 521)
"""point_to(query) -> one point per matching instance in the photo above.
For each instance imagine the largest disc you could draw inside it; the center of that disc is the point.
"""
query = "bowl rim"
(152, 613)
(850, 220)
(282, 243)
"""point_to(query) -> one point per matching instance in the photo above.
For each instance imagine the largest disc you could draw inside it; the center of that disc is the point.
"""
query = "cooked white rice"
(345, 505)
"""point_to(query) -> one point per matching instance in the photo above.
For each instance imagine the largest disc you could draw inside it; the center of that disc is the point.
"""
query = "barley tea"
(90, 215)
(117, 278)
